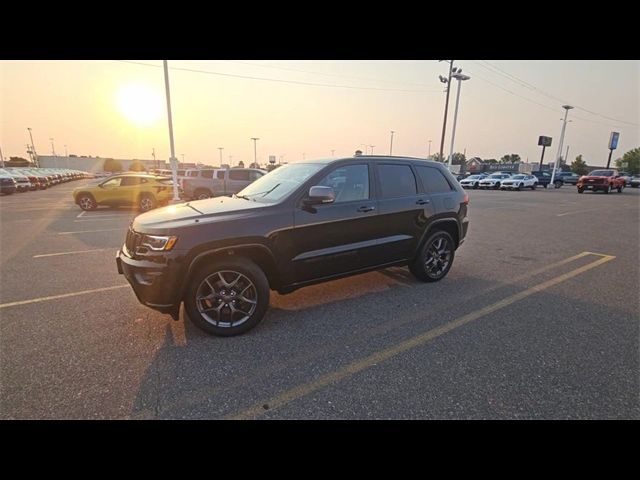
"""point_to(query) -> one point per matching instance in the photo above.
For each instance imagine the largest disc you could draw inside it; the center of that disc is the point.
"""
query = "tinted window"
(239, 175)
(433, 180)
(220, 175)
(349, 183)
(181, 173)
(130, 181)
(397, 181)
(114, 182)
(206, 173)
(254, 175)
(194, 173)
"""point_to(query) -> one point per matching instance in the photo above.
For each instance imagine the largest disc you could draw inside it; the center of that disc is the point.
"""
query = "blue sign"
(613, 140)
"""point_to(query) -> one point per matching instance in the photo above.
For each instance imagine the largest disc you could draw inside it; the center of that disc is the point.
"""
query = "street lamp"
(220, 148)
(372, 148)
(460, 77)
(33, 148)
(446, 80)
(53, 150)
(391, 146)
(255, 151)
(429, 149)
(172, 160)
(564, 126)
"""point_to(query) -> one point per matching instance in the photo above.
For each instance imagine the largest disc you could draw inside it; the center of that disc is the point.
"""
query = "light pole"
(391, 145)
(372, 148)
(182, 159)
(172, 160)
(153, 154)
(66, 154)
(1, 158)
(33, 148)
(333, 153)
(255, 151)
(53, 149)
(220, 148)
(446, 106)
(564, 126)
(429, 149)
(566, 156)
(460, 77)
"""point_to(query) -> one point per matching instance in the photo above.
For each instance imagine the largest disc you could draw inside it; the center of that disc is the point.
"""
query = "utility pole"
(372, 148)
(53, 148)
(220, 148)
(564, 126)
(172, 160)
(446, 107)
(153, 154)
(429, 149)
(33, 149)
(391, 146)
(458, 76)
(255, 150)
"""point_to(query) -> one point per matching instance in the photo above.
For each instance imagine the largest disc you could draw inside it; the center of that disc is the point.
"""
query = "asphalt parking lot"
(538, 319)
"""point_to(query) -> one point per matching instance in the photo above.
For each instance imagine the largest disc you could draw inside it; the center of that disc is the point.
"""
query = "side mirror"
(319, 195)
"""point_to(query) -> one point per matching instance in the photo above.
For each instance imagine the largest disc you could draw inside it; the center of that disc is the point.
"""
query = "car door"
(404, 211)
(338, 237)
(108, 192)
(129, 190)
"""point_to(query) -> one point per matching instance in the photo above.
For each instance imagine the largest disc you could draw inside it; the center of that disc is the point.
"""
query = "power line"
(327, 74)
(208, 72)
(495, 69)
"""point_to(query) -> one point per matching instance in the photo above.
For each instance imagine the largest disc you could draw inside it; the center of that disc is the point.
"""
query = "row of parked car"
(14, 179)
(512, 181)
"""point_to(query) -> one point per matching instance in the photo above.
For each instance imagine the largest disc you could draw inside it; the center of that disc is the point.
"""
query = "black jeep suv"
(303, 223)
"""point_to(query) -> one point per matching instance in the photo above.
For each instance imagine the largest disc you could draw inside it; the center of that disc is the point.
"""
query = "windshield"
(474, 177)
(518, 177)
(602, 173)
(497, 175)
(280, 182)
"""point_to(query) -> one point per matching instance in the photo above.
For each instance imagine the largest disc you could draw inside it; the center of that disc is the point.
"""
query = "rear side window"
(220, 175)
(397, 181)
(433, 180)
(206, 173)
(254, 175)
(239, 175)
(130, 181)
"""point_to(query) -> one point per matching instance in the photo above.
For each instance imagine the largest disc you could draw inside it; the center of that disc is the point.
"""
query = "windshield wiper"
(241, 196)
(264, 194)
(194, 208)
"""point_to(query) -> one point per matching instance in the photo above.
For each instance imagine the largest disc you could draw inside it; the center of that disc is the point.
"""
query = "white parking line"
(71, 253)
(64, 295)
(90, 231)
(81, 214)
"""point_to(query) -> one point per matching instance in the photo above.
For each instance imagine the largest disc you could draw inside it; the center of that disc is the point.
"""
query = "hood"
(196, 212)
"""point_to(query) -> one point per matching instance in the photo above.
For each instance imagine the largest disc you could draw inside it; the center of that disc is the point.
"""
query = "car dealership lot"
(538, 318)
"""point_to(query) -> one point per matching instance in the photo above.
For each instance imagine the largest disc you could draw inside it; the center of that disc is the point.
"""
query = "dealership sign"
(544, 141)
(613, 140)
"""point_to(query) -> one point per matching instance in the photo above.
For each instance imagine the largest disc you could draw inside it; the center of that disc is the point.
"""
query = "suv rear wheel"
(435, 258)
(227, 297)
(146, 203)
(87, 202)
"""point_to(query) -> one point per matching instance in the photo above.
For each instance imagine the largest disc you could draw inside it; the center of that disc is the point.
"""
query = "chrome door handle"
(368, 208)
(422, 202)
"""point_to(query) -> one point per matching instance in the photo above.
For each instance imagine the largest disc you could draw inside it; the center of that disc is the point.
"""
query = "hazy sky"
(117, 109)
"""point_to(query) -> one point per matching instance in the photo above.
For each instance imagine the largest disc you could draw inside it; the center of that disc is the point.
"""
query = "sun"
(140, 104)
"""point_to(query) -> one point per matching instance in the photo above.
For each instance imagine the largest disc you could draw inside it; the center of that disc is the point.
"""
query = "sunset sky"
(117, 109)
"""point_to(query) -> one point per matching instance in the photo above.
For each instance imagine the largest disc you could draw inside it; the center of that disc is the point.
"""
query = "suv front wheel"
(434, 260)
(227, 297)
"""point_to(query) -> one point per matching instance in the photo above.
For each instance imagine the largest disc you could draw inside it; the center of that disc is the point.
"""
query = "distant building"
(94, 164)
(475, 165)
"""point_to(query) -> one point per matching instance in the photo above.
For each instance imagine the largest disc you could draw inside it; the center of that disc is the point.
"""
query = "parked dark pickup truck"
(569, 178)
(216, 183)
(544, 179)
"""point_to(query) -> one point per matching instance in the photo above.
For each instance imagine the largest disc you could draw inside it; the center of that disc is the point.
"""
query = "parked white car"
(494, 180)
(472, 181)
(518, 182)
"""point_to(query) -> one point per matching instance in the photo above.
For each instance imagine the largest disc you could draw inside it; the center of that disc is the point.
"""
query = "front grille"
(132, 241)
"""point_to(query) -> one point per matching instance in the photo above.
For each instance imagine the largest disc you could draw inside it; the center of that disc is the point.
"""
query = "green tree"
(630, 161)
(490, 160)
(511, 158)
(458, 159)
(137, 166)
(111, 165)
(579, 166)
(436, 157)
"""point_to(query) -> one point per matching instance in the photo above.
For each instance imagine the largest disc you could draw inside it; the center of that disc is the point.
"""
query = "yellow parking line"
(91, 231)
(64, 295)
(71, 253)
(302, 390)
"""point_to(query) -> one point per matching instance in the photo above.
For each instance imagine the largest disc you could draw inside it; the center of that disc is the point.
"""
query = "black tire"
(534, 186)
(557, 184)
(420, 266)
(476, 185)
(620, 189)
(496, 186)
(146, 202)
(87, 202)
(201, 194)
(580, 190)
(520, 187)
(608, 189)
(194, 301)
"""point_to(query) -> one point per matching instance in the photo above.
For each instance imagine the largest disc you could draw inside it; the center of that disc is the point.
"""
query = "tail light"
(466, 199)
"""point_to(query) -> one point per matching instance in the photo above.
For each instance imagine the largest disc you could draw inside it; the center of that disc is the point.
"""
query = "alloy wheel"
(226, 298)
(438, 257)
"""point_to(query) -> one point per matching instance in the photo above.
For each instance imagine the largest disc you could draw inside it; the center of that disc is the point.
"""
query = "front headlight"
(158, 243)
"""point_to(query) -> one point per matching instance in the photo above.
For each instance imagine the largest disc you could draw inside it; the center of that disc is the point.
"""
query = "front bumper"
(156, 285)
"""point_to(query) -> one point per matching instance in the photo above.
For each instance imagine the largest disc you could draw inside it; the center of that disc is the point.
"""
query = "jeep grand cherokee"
(303, 223)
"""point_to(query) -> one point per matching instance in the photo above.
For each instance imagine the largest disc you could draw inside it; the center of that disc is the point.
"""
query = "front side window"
(239, 175)
(220, 175)
(397, 181)
(114, 182)
(206, 173)
(130, 181)
(349, 183)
